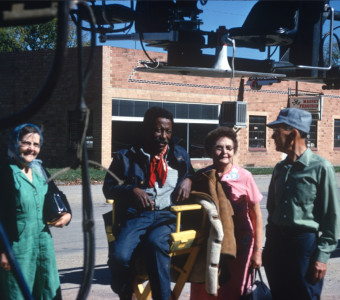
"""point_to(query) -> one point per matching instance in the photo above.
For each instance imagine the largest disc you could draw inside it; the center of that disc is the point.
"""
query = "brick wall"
(266, 102)
(22, 75)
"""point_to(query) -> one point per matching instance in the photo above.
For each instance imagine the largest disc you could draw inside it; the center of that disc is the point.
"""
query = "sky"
(228, 13)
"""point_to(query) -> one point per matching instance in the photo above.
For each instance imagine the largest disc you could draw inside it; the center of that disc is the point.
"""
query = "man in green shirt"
(303, 212)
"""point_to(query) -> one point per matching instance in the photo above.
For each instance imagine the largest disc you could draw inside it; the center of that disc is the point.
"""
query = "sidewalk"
(69, 249)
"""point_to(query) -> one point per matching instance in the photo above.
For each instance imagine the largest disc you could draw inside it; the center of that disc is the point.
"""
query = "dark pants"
(287, 257)
(150, 231)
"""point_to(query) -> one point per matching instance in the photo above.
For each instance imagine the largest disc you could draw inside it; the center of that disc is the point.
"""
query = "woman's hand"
(4, 262)
(256, 259)
(256, 218)
(63, 220)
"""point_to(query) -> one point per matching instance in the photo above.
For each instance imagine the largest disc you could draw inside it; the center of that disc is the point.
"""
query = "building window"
(257, 132)
(337, 133)
(313, 135)
(192, 122)
(190, 111)
(190, 136)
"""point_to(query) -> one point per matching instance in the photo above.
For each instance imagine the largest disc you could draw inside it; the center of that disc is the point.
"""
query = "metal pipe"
(330, 52)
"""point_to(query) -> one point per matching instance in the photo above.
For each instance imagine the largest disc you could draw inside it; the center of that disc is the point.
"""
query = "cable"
(233, 59)
(35, 105)
(155, 63)
(15, 268)
(105, 16)
(31, 109)
(82, 159)
(270, 55)
(119, 181)
(93, 43)
(101, 29)
(232, 66)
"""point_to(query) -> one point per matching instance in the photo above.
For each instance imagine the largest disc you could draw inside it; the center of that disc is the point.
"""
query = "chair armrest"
(178, 210)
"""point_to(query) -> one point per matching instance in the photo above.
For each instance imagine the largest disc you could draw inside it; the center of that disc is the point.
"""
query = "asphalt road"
(69, 249)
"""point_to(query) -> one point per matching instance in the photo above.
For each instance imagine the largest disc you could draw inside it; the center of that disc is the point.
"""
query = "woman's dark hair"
(156, 112)
(27, 129)
(218, 133)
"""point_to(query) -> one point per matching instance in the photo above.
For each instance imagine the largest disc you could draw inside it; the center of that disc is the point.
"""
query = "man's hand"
(317, 272)
(4, 262)
(184, 190)
(142, 199)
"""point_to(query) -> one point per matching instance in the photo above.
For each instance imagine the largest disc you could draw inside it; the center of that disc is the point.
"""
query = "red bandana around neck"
(158, 168)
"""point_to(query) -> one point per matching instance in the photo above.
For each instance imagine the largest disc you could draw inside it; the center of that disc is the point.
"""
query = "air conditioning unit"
(233, 114)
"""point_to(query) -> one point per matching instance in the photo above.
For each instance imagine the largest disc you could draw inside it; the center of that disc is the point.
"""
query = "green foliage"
(74, 176)
(72, 36)
(98, 175)
(260, 171)
(7, 43)
(335, 53)
(36, 37)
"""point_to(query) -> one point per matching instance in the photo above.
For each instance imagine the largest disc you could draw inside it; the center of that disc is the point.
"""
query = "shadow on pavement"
(74, 275)
(336, 252)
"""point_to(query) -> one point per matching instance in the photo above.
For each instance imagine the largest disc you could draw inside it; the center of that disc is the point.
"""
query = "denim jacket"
(132, 167)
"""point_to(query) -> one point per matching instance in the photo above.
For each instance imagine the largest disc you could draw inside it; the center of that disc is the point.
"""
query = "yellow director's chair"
(185, 244)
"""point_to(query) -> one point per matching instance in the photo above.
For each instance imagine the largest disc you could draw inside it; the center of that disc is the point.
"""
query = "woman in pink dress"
(221, 144)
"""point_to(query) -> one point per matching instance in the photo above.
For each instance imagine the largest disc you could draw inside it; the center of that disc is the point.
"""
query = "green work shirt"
(31, 239)
(305, 195)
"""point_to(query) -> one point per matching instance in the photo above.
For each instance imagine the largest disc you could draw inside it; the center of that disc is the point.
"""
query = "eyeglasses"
(161, 130)
(220, 147)
(26, 144)
(278, 129)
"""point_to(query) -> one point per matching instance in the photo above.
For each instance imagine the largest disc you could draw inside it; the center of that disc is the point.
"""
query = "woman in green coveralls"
(23, 190)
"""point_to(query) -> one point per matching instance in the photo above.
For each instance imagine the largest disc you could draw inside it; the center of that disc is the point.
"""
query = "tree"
(35, 37)
(336, 52)
(335, 49)
(7, 43)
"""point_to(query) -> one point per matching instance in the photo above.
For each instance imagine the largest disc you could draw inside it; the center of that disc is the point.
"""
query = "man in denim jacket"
(155, 176)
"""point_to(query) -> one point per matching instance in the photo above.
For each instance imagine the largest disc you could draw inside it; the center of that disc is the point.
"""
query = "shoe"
(126, 295)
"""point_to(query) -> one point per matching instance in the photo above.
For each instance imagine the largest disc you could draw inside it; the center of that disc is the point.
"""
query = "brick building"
(117, 97)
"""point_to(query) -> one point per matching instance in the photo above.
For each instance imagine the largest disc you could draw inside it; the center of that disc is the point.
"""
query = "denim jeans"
(286, 259)
(150, 232)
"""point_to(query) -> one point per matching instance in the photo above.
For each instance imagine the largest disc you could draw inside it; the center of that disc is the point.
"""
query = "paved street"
(69, 249)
